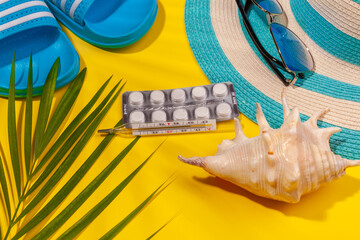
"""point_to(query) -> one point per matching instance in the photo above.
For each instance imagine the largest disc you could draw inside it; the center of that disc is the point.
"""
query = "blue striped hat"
(331, 31)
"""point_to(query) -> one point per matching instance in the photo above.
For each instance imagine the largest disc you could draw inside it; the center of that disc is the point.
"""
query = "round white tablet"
(136, 98)
(180, 114)
(158, 116)
(137, 117)
(199, 93)
(223, 110)
(157, 97)
(220, 90)
(202, 113)
(178, 96)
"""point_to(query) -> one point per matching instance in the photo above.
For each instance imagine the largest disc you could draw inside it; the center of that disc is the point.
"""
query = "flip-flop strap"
(20, 15)
(75, 9)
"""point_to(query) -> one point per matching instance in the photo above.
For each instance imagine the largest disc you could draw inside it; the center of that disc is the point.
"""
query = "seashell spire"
(281, 164)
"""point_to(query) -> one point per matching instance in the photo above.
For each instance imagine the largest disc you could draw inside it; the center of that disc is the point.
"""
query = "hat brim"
(225, 52)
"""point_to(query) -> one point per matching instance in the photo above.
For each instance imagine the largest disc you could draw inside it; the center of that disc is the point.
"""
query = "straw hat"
(331, 31)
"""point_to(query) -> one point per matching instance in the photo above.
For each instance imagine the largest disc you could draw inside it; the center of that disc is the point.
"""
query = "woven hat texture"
(331, 31)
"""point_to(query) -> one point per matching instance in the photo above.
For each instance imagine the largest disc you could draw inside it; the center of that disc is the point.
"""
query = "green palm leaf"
(5, 189)
(74, 180)
(14, 151)
(58, 158)
(157, 231)
(68, 144)
(162, 227)
(66, 103)
(64, 135)
(121, 225)
(85, 194)
(55, 178)
(93, 213)
(28, 120)
(45, 104)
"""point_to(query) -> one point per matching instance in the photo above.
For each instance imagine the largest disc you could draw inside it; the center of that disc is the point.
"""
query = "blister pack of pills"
(146, 109)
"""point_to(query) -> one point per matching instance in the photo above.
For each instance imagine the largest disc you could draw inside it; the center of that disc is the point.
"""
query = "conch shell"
(281, 164)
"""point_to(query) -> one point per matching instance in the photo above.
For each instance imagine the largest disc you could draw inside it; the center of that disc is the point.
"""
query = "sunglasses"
(295, 57)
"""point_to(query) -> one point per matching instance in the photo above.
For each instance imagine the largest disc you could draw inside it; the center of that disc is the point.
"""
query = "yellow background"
(203, 207)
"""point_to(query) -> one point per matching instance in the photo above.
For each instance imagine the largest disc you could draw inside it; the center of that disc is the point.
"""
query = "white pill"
(137, 117)
(136, 98)
(223, 110)
(220, 90)
(199, 93)
(158, 116)
(178, 96)
(157, 97)
(202, 113)
(180, 114)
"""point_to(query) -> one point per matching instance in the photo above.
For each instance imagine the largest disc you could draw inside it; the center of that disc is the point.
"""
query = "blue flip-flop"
(28, 27)
(108, 24)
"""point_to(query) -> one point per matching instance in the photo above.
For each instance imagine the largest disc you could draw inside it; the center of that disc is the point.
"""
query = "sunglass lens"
(294, 52)
(271, 6)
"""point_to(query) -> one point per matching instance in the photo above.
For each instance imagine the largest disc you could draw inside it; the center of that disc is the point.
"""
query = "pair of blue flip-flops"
(29, 27)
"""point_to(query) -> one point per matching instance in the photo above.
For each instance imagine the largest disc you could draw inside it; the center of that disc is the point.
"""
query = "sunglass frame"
(272, 61)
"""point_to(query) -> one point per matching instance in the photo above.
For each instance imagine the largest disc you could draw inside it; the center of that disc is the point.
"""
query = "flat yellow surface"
(202, 206)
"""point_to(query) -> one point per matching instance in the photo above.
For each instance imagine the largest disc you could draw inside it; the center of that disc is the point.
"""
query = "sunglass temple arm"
(268, 58)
